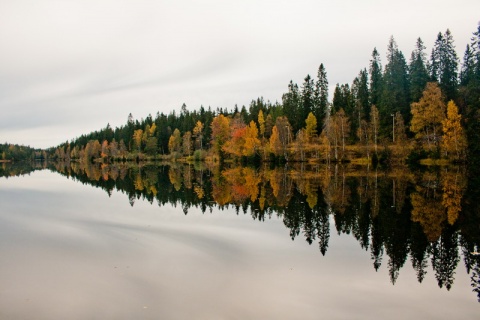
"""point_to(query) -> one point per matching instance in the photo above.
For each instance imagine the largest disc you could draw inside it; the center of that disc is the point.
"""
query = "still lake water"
(160, 245)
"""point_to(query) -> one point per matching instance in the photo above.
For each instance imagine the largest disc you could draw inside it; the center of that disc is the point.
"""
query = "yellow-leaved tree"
(251, 139)
(427, 116)
(198, 133)
(174, 141)
(454, 141)
(261, 123)
(220, 132)
(310, 126)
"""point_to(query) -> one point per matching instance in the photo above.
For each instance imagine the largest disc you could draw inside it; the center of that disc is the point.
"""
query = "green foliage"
(199, 155)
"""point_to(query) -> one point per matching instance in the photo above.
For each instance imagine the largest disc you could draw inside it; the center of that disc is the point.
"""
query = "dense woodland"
(427, 107)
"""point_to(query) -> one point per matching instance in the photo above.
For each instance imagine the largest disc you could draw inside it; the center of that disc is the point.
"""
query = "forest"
(426, 108)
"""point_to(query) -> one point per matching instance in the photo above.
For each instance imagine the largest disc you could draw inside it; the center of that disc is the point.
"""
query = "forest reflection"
(429, 216)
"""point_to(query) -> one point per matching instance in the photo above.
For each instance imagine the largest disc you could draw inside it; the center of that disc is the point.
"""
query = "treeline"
(426, 108)
(14, 152)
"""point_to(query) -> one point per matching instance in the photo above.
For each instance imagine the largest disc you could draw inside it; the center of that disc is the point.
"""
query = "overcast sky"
(71, 67)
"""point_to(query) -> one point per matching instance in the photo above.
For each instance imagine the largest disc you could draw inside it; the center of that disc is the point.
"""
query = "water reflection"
(429, 217)
(20, 168)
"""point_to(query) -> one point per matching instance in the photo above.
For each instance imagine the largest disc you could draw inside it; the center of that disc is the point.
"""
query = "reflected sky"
(69, 251)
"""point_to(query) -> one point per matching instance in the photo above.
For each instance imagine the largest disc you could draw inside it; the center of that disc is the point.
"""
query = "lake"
(196, 242)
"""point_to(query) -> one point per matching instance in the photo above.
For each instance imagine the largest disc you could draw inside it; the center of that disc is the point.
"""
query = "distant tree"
(418, 71)
(375, 126)
(105, 153)
(361, 99)
(396, 93)
(174, 142)
(400, 134)
(281, 137)
(444, 64)
(338, 131)
(375, 78)
(292, 105)
(151, 145)
(198, 134)
(187, 143)
(269, 123)
(137, 139)
(454, 142)
(275, 144)
(113, 148)
(301, 141)
(308, 100)
(321, 97)
(220, 133)
(261, 123)
(467, 73)
(251, 140)
(310, 127)
(428, 114)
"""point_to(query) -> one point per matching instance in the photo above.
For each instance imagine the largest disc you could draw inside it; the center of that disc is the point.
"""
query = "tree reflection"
(422, 216)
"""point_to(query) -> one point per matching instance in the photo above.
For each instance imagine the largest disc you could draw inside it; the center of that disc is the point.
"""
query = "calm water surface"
(72, 251)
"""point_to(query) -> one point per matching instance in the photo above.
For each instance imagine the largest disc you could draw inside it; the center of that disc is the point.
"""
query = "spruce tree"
(375, 78)
(338, 100)
(361, 105)
(396, 92)
(308, 102)
(291, 104)
(418, 71)
(321, 97)
(444, 64)
(467, 73)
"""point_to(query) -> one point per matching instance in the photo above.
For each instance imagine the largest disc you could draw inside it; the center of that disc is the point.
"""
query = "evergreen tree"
(418, 71)
(467, 73)
(476, 52)
(396, 93)
(444, 65)
(375, 78)
(308, 101)
(361, 99)
(321, 97)
(338, 100)
(291, 105)
(435, 58)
